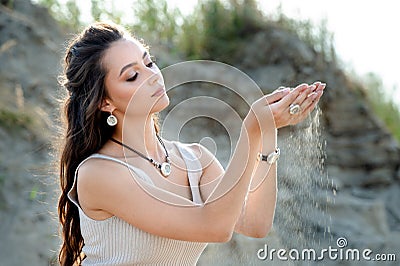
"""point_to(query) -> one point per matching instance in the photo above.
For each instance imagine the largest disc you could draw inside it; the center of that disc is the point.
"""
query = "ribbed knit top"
(115, 242)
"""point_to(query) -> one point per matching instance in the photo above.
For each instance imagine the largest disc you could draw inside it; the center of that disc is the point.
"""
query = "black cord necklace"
(165, 167)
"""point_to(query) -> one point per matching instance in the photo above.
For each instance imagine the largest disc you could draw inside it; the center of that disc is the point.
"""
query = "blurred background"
(339, 174)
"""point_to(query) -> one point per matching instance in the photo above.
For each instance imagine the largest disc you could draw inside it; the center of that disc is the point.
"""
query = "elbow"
(221, 230)
(261, 232)
(222, 236)
(257, 231)
(220, 233)
(227, 236)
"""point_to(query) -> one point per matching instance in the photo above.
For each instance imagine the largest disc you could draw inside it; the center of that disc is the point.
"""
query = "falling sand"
(305, 189)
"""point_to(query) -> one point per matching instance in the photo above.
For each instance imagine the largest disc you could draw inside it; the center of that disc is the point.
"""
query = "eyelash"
(132, 78)
(149, 65)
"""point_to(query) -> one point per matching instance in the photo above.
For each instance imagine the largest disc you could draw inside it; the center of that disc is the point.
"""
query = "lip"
(158, 92)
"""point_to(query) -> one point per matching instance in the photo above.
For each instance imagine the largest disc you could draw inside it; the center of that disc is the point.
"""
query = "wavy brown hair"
(86, 128)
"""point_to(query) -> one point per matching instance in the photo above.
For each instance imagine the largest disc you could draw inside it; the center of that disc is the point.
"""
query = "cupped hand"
(304, 96)
(274, 109)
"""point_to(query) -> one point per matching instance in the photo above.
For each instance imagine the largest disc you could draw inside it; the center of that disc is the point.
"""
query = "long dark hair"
(86, 128)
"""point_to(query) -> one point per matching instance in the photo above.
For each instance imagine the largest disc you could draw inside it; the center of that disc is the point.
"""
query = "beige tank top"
(115, 242)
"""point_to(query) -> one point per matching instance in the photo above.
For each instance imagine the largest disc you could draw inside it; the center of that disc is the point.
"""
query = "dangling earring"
(112, 120)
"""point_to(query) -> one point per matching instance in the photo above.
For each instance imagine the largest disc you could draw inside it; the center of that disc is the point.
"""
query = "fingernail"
(284, 90)
(315, 95)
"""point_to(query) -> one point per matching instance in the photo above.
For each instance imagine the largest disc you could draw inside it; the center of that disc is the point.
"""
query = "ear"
(107, 106)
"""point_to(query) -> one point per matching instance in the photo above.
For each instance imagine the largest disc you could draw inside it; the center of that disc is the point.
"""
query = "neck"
(141, 136)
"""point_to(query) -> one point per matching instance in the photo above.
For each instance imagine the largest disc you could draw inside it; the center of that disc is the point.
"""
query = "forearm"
(243, 168)
(258, 212)
(216, 219)
(226, 199)
(213, 222)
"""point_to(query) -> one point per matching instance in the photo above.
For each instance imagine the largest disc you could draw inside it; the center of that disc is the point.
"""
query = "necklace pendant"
(165, 169)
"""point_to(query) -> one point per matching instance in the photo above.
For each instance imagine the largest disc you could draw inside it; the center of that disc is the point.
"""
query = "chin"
(161, 104)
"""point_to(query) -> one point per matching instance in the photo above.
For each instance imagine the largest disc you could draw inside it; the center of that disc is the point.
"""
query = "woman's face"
(134, 84)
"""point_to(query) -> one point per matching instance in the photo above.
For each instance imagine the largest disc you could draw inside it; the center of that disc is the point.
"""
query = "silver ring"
(294, 109)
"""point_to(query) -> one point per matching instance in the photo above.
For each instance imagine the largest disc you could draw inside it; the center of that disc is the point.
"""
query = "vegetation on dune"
(22, 118)
(383, 104)
(214, 30)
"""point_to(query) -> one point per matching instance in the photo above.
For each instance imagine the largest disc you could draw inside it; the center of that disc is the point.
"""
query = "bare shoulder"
(96, 173)
(97, 180)
(96, 169)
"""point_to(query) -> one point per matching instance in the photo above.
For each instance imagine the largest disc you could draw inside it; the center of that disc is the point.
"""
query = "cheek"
(137, 101)
(121, 93)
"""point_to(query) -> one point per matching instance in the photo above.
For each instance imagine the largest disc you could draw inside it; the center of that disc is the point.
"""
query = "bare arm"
(258, 214)
(111, 188)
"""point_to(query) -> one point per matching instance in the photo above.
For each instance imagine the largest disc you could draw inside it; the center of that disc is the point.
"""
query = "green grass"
(11, 120)
(215, 30)
(387, 110)
(34, 192)
(390, 115)
(20, 116)
(383, 104)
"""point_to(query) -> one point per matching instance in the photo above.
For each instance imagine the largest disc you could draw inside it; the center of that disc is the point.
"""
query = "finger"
(289, 99)
(310, 99)
(303, 95)
(277, 95)
(314, 101)
(281, 88)
(301, 87)
(308, 110)
(317, 84)
(321, 87)
(309, 105)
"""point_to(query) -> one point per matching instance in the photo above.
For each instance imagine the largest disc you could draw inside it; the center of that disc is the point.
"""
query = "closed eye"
(133, 78)
(152, 62)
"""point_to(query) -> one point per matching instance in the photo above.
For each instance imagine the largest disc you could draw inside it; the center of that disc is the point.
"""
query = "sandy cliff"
(338, 179)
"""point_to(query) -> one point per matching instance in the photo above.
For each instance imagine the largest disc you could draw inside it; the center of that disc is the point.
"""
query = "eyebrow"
(131, 64)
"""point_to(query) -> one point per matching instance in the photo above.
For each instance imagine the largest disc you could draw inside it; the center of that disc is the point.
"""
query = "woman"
(128, 196)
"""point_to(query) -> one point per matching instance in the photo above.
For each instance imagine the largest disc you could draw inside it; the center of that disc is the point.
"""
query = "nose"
(154, 78)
